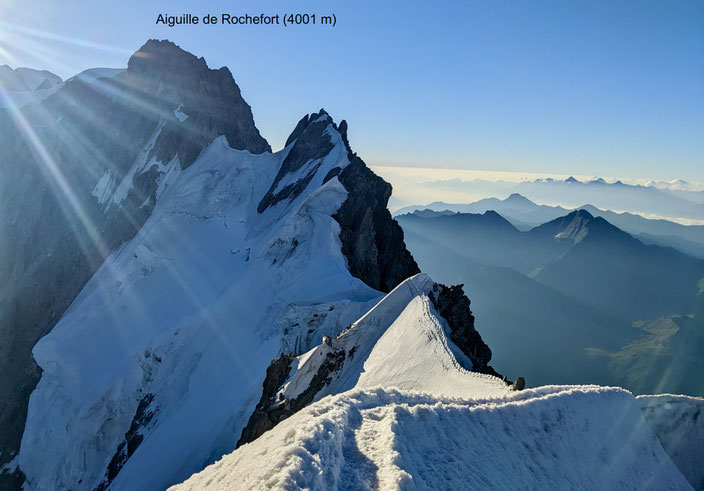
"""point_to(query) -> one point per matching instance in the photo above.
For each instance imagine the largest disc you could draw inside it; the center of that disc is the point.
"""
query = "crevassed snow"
(190, 310)
(374, 438)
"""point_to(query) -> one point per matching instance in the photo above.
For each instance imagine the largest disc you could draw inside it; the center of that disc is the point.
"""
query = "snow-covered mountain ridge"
(196, 258)
(211, 288)
(394, 421)
(205, 295)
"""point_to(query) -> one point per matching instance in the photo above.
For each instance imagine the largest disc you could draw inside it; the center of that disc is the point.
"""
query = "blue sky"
(612, 88)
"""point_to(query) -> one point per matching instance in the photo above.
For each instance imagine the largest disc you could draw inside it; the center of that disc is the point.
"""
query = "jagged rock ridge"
(453, 305)
(372, 240)
(310, 144)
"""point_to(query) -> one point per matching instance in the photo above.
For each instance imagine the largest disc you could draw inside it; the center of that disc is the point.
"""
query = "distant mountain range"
(687, 203)
(570, 288)
(524, 214)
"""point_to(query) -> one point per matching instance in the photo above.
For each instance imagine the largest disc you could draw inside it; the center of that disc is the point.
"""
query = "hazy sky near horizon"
(612, 88)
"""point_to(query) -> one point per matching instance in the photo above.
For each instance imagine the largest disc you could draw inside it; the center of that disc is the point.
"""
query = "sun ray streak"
(50, 166)
(83, 43)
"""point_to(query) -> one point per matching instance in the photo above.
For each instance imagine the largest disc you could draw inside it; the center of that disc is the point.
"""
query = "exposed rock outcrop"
(372, 241)
(272, 408)
(133, 438)
(453, 305)
(174, 79)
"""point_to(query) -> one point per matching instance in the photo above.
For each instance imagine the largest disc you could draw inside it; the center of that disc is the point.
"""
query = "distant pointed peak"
(156, 45)
(574, 226)
(571, 179)
(496, 218)
(516, 198)
(581, 213)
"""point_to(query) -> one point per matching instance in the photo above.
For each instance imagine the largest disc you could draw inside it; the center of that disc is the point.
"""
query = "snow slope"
(175, 330)
(568, 438)
(379, 348)
(678, 421)
(404, 414)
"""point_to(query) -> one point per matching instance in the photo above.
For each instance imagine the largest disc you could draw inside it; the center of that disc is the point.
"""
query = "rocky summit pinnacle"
(210, 99)
(372, 241)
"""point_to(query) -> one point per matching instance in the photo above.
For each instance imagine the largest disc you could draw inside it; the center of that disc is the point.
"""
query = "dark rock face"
(453, 305)
(162, 71)
(270, 411)
(372, 241)
(133, 438)
(261, 420)
(54, 233)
